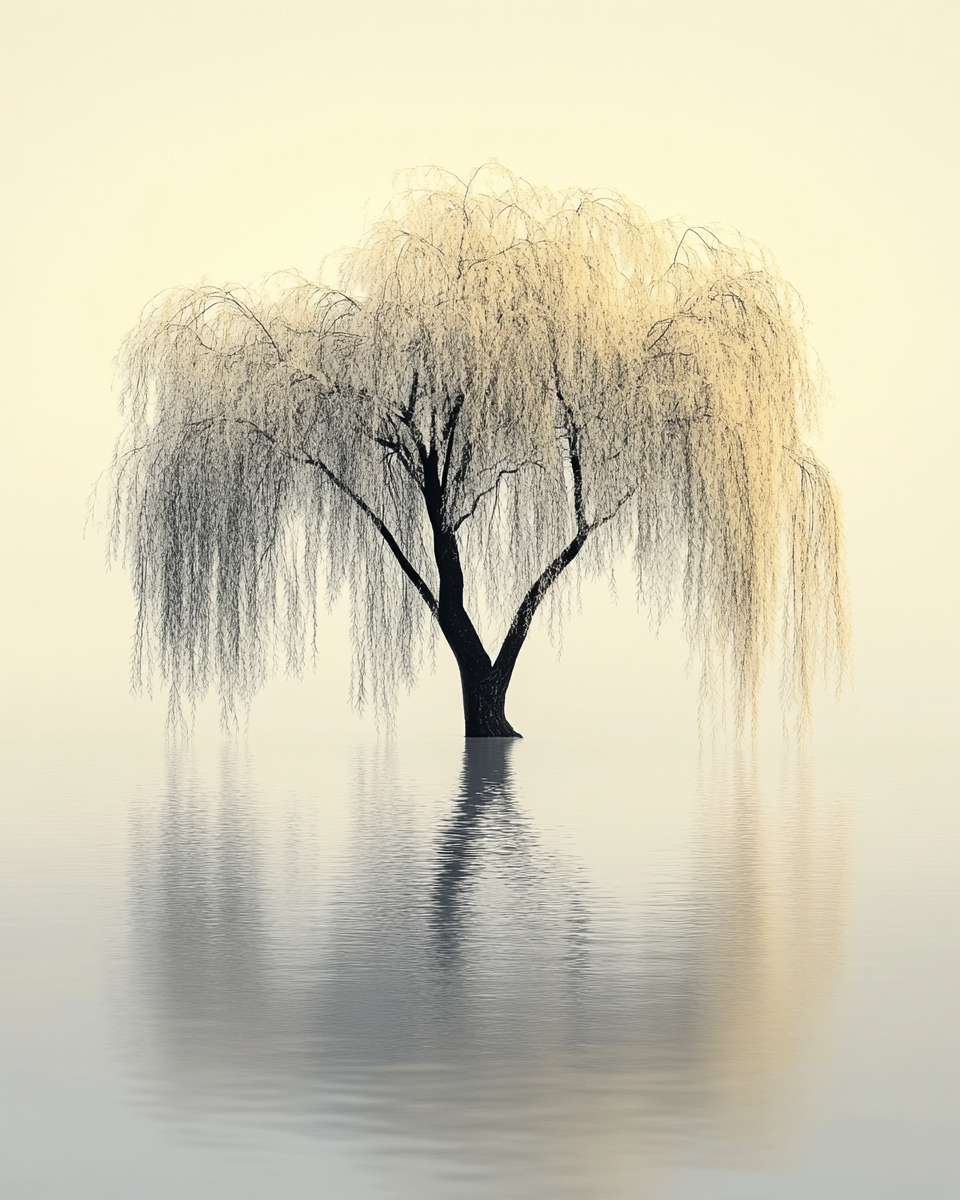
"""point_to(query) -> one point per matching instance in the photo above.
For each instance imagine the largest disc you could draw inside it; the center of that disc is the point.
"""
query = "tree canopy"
(508, 389)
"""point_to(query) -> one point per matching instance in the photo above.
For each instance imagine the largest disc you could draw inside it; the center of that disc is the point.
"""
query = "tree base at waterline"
(483, 711)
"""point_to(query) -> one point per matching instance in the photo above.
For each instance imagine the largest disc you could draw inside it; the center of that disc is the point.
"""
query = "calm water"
(519, 971)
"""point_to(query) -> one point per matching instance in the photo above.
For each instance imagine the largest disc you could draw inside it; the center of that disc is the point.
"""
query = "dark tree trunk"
(428, 459)
(484, 686)
(484, 697)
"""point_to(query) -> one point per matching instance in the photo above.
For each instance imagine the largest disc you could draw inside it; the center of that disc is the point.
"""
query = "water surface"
(506, 970)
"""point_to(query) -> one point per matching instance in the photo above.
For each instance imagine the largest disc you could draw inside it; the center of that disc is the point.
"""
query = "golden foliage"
(579, 373)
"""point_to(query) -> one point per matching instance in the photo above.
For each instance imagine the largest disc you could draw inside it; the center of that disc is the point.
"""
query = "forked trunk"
(484, 698)
(483, 683)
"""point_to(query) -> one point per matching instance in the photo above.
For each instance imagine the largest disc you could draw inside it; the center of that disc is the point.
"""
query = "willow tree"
(508, 389)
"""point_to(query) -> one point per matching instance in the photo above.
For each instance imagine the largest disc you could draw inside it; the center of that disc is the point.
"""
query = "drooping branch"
(454, 620)
(395, 549)
(576, 470)
(493, 487)
(449, 434)
(405, 565)
(520, 625)
(500, 372)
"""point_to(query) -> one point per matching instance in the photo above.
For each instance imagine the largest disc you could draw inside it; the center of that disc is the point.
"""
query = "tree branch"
(396, 447)
(449, 432)
(406, 414)
(576, 469)
(405, 564)
(308, 460)
(492, 488)
(229, 298)
(520, 625)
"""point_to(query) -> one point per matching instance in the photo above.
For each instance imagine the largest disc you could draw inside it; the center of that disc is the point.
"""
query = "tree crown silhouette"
(508, 389)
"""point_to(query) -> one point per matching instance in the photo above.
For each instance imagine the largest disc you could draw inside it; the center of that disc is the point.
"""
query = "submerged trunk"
(484, 697)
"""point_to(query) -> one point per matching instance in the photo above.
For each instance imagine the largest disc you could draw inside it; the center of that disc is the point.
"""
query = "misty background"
(149, 146)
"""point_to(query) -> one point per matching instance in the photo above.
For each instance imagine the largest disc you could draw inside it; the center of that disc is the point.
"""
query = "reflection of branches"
(200, 925)
(473, 992)
(771, 883)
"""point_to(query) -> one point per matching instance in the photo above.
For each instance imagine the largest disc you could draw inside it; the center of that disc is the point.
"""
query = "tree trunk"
(484, 685)
(484, 697)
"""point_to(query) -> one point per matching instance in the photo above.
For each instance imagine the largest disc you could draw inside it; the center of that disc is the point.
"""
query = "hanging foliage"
(505, 382)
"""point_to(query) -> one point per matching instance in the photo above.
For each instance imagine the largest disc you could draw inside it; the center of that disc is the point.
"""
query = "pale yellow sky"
(150, 145)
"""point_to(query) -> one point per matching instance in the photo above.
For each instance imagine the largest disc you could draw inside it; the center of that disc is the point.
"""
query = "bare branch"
(492, 488)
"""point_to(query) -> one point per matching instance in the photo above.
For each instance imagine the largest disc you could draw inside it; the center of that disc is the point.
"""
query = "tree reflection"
(484, 803)
(201, 930)
(472, 994)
